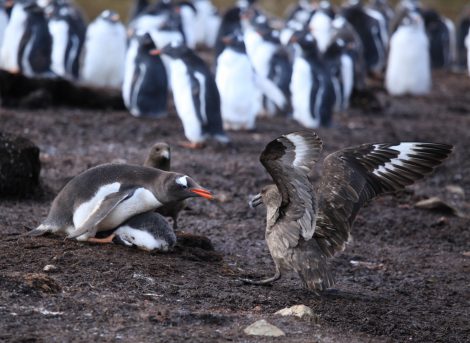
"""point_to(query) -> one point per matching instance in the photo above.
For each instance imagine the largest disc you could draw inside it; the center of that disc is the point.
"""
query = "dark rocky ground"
(418, 290)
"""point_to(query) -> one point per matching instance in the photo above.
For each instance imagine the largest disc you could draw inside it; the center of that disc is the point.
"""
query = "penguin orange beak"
(155, 52)
(115, 17)
(204, 193)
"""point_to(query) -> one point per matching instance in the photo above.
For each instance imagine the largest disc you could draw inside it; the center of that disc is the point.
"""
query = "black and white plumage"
(104, 197)
(195, 93)
(305, 227)
(146, 231)
(145, 85)
(35, 48)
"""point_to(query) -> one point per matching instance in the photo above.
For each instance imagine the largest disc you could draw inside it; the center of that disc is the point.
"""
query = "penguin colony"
(306, 66)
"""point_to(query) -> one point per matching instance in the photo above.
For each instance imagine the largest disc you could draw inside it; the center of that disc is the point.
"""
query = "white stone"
(263, 328)
(49, 268)
(300, 311)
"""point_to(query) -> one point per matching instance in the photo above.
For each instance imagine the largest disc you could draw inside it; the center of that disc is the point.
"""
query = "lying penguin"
(104, 197)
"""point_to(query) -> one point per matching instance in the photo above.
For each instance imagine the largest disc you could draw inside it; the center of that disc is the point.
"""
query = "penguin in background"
(371, 28)
(463, 27)
(35, 48)
(441, 33)
(195, 95)
(152, 17)
(207, 23)
(68, 29)
(14, 31)
(313, 93)
(188, 14)
(145, 86)
(409, 69)
(235, 78)
(138, 7)
(4, 17)
(104, 51)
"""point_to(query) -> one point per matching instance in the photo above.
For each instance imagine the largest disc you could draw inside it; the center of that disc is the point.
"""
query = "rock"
(437, 204)
(300, 311)
(19, 166)
(454, 189)
(367, 265)
(263, 328)
(466, 253)
(49, 268)
(41, 282)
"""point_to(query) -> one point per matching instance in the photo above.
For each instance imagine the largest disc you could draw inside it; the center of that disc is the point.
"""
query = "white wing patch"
(301, 149)
(182, 181)
(404, 149)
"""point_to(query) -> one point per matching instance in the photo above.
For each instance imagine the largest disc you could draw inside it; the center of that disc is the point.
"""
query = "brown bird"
(306, 227)
(159, 157)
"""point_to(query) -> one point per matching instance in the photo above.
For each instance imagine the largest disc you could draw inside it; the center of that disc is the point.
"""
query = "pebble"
(300, 311)
(49, 268)
(263, 328)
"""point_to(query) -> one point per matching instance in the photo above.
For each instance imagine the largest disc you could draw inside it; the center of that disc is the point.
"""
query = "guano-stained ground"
(418, 290)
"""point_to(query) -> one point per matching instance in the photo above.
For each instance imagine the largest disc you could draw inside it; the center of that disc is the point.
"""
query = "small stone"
(263, 328)
(49, 268)
(466, 253)
(367, 265)
(300, 311)
(437, 204)
(455, 190)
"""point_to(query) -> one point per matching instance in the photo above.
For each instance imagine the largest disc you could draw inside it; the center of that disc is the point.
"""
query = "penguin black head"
(32, 8)
(174, 50)
(177, 187)
(235, 41)
(146, 42)
(110, 16)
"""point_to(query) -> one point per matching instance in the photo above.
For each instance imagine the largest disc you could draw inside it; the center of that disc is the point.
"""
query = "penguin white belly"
(147, 23)
(3, 25)
(183, 98)
(12, 38)
(207, 23)
(105, 50)
(467, 45)
(261, 58)
(240, 98)
(301, 87)
(141, 238)
(59, 32)
(129, 70)
(408, 69)
(142, 200)
(188, 18)
(347, 78)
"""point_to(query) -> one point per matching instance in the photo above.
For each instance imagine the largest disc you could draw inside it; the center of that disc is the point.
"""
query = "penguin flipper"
(39, 231)
(109, 203)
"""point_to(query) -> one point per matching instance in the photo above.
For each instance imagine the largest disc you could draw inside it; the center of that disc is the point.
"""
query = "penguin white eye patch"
(182, 181)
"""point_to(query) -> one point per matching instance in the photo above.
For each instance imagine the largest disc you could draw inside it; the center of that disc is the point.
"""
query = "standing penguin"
(195, 94)
(207, 22)
(34, 52)
(313, 94)
(409, 69)
(235, 78)
(105, 51)
(3, 20)
(68, 29)
(145, 86)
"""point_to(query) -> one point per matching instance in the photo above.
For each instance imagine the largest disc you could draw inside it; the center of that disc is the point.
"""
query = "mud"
(412, 282)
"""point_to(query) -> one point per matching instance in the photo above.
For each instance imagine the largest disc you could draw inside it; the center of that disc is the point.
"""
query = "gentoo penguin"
(145, 86)
(104, 197)
(313, 93)
(441, 33)
(236, 80)
(13, 34)
(159, 157)
(147, 231)
(188, 14)
(34, 52)
(3, 21)
(68, 28)
(207, 22)
(301, 12)
(321, 27)
(152, 17)
(305, 227)
(371, 28)
(104, 51)
(138, 7)
(463, 27)
(195, 95)
(409, 68)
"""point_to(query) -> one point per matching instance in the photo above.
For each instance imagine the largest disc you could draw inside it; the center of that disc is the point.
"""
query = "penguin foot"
(191, 145)
(105, 240)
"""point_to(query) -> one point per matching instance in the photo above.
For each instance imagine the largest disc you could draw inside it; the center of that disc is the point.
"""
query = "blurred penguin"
(207, 23)
(145, 86)
(188, 14)
(68, 29)
(14, 32)
(34, 52)
(235, 78)
(138, 7)
(3, 20)
(462, 31)
(105, 51)
(195, 95)
(152, 17)
(313, 93)
(409, 68)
